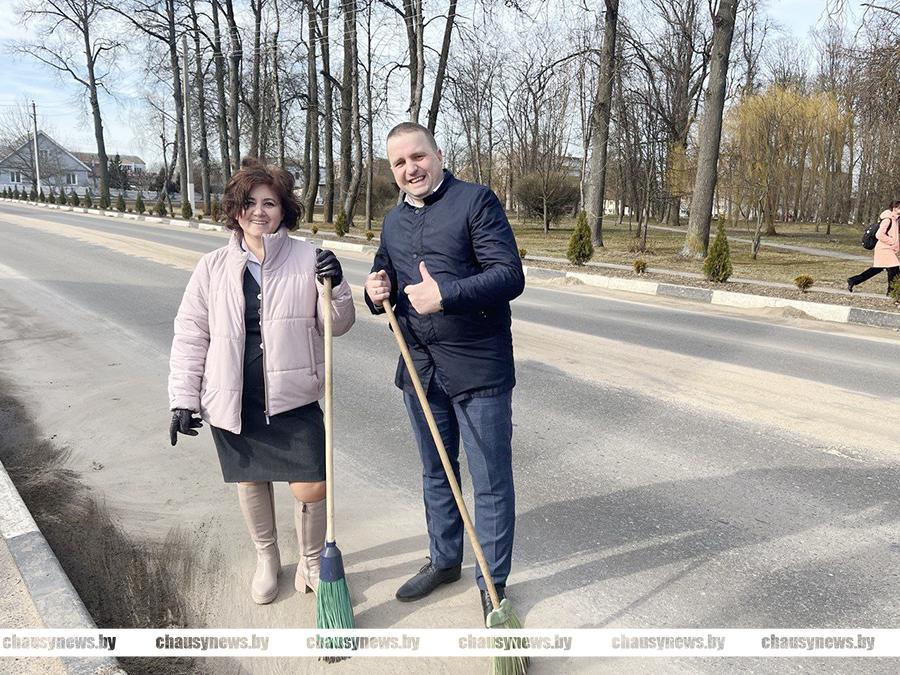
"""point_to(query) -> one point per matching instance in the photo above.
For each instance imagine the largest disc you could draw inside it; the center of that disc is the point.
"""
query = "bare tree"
(200, 89)
(697, 238)
(221, 101)
(69, 38)
(236, 55)
(312, 114)
(600, 124)
(442, 67)
(161, 23)
(328, 92)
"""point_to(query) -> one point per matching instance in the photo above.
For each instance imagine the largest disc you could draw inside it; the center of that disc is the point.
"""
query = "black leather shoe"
(486, 605)
(428, 578)
(849, 285)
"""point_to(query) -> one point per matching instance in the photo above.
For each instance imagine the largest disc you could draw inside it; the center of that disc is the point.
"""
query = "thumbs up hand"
(425, 297)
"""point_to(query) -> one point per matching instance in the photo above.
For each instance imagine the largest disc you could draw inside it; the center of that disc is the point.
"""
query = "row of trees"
(554, 105)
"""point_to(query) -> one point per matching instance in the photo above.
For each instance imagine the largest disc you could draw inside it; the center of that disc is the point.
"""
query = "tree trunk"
(178, 95)
(415, 38)
(696, 241)
(370, 164)
(201, 114)
(95, 113)
(600, 124)
(255, 95)
(312, 115)
(328, 133)
(546, 217)
(221, 103)
(352, 193)
(442, 68)
(346, 91)
(276, 87)
(234, 80)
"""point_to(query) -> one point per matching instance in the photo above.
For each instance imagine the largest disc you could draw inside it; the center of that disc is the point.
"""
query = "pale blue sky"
(59, 113)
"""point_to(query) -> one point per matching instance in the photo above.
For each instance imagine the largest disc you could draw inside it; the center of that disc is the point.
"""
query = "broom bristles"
(505, 617)
(333, 606)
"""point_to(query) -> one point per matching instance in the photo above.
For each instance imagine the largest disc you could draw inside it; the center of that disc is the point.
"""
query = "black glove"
(185, 422)
(327, 265)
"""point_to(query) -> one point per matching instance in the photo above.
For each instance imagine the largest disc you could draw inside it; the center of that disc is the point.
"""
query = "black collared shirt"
(462, 234)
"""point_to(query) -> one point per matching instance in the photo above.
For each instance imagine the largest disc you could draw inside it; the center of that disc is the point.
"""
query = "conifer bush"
(215, 210)
(33, 196)
(340, 224)
(160, 208)
(120, 204)
(87, 201)
(580, 247)
(42, 198)
(186, 210)
(73, 198)
(139, 205)
(640, 266)
(804, 282)
(717, 266)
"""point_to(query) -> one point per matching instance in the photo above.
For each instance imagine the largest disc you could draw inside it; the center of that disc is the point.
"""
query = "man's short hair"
(412, 127)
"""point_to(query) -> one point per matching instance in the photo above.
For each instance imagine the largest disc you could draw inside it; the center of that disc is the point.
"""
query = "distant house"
(59, 168)
(134, 164)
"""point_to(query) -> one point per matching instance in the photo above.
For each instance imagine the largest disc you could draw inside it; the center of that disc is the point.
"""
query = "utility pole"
(187, 123)
(37, 166)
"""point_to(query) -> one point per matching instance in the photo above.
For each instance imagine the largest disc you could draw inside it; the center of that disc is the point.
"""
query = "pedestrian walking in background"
(248, 356)
(886, 248)
(449, 264)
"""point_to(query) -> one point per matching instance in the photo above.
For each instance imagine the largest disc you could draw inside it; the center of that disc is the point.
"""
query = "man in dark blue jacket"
(449, 265)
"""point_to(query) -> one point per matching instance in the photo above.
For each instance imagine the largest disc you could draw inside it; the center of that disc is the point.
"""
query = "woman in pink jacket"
(248, 356)
(886, 249)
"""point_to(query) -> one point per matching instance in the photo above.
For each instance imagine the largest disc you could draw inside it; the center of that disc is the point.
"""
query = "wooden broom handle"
(329, 432)
(442, 451)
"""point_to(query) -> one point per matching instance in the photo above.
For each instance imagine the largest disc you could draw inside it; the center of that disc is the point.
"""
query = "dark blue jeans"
(485, 425)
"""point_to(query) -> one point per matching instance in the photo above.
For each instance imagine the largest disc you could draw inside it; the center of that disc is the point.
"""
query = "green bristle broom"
(333, 606)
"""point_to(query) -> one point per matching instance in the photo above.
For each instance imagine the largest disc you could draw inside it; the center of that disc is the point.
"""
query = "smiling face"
(262, 213)
(416, 165)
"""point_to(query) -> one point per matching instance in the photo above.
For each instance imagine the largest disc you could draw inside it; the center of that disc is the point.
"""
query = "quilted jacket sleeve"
(191, 342)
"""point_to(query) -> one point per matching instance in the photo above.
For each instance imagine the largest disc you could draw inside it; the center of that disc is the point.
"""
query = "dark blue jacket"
(468, 246)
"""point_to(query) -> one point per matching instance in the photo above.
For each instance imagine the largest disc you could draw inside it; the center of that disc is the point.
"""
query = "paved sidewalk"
(36, 591)
(18, 611)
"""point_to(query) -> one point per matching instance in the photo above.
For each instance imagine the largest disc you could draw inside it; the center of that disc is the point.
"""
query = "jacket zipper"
(244, 341)
(262, 281)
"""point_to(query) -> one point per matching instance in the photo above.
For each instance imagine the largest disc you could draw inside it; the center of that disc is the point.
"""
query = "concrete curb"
(818, 310)
(53, 595)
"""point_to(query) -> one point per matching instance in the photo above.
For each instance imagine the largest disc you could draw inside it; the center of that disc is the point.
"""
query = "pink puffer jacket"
(888, 244)
(207, 360)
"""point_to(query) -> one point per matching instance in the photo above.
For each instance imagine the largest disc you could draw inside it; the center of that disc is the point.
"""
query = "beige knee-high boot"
(310, 521)
(258, 506)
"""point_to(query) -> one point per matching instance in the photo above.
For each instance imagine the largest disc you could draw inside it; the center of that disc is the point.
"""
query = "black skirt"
(291, 445)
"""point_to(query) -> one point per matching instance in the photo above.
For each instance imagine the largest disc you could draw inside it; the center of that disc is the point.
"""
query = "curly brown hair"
(255, 172)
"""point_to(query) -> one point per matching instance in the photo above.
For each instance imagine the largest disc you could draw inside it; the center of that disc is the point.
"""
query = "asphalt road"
(677, 465)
